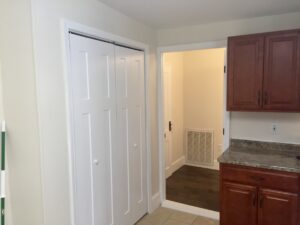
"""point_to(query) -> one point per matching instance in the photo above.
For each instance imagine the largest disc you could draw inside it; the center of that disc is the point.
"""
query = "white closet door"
(94, 130)
(131, 126)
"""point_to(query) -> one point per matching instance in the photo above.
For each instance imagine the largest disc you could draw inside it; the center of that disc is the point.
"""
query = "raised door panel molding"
(281, 73)
(238, 204)
(245, 72)
(277, 207)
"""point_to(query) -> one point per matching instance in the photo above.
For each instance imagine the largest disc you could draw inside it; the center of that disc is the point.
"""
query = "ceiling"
(177, 13)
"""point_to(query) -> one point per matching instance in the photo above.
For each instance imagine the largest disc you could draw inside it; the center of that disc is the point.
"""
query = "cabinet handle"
(261, 201)
(254, 200)
(266, 98)
(258, 179)
(258, 98)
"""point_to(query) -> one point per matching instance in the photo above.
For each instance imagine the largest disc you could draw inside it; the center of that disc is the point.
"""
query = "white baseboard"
(213, 167)
(168, 172)
(155, 202)
(174, 166)
(177, 164)
(191, 209)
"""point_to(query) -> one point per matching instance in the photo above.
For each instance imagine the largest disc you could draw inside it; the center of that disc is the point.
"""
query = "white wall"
(19, 102)
(244, 125)
(221, 30)
(258, 126)
(51, 90)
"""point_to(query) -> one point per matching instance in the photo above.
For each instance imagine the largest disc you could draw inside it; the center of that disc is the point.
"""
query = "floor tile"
(175, 222)
(165, 216)
(205, 221)
(183, 217)
(158, 217)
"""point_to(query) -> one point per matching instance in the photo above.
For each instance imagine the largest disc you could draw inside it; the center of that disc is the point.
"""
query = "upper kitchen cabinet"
(245, 72)
(264, 72)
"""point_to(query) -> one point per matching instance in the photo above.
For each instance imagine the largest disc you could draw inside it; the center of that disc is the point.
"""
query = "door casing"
(160, 94)
(70, 26)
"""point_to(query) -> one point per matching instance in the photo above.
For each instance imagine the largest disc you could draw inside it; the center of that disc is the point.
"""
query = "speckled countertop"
(266, 155)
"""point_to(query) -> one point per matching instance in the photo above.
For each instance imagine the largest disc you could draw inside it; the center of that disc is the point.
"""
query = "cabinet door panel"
(245, 72)
(277, 208)
(281, 75)
(239, 204)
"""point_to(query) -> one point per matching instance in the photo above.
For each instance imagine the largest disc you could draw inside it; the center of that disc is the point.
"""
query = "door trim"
(160, 91)
(67, 27)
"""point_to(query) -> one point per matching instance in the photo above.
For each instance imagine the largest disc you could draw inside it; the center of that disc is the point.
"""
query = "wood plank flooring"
(194, 186)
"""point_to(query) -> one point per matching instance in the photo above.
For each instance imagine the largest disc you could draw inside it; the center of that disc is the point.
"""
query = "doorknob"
(96, 162)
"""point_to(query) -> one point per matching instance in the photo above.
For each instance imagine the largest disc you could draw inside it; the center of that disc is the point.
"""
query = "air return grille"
(200, 147)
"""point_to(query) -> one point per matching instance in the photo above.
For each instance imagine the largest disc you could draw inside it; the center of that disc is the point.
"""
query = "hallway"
(194, 186)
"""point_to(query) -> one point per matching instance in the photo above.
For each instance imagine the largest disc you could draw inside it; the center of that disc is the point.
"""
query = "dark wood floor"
(194, 186)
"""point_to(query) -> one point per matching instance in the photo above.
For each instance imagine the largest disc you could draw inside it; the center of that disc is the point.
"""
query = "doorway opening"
(194, 125)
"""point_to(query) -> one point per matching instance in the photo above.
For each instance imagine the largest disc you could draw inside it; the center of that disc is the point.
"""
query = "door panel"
(282, 78)
(131, 188)
(108, 124)
(245, 72)
(239, 204)
(94, 130)
(277, 208)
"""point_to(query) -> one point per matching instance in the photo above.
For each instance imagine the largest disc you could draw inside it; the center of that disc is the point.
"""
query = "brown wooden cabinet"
(264, 72)
(277, 208)
(239, 202)
(251, 196)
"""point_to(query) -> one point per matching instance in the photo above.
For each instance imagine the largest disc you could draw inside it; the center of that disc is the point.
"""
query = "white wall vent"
(200, 147)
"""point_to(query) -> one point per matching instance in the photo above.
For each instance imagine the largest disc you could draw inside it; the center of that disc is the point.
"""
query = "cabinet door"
(238, 204)
(277, 208)
(245, 72)
(281, 75)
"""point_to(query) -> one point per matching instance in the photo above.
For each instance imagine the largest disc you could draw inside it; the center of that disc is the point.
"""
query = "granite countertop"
(277, 156)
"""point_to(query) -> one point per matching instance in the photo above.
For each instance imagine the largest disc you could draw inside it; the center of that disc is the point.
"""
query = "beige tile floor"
(164, 216)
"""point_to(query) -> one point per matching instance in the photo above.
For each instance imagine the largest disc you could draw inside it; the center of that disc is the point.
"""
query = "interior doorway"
(194, 125)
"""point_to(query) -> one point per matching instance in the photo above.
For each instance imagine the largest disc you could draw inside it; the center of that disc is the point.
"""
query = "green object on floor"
(3, 174)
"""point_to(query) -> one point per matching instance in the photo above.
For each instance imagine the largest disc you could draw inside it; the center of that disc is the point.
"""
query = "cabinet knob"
(258, 179)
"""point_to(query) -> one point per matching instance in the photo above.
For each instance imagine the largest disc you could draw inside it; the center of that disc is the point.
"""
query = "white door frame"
(160, 91)
(66, 27)
(168, 134)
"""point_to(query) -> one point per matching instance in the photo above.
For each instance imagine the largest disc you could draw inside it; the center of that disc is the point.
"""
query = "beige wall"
(244, 125)
(175, 62)
(20, 109)
(204, 91)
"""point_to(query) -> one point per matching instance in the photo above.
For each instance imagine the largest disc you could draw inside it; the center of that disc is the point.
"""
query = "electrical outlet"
(274, 129)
